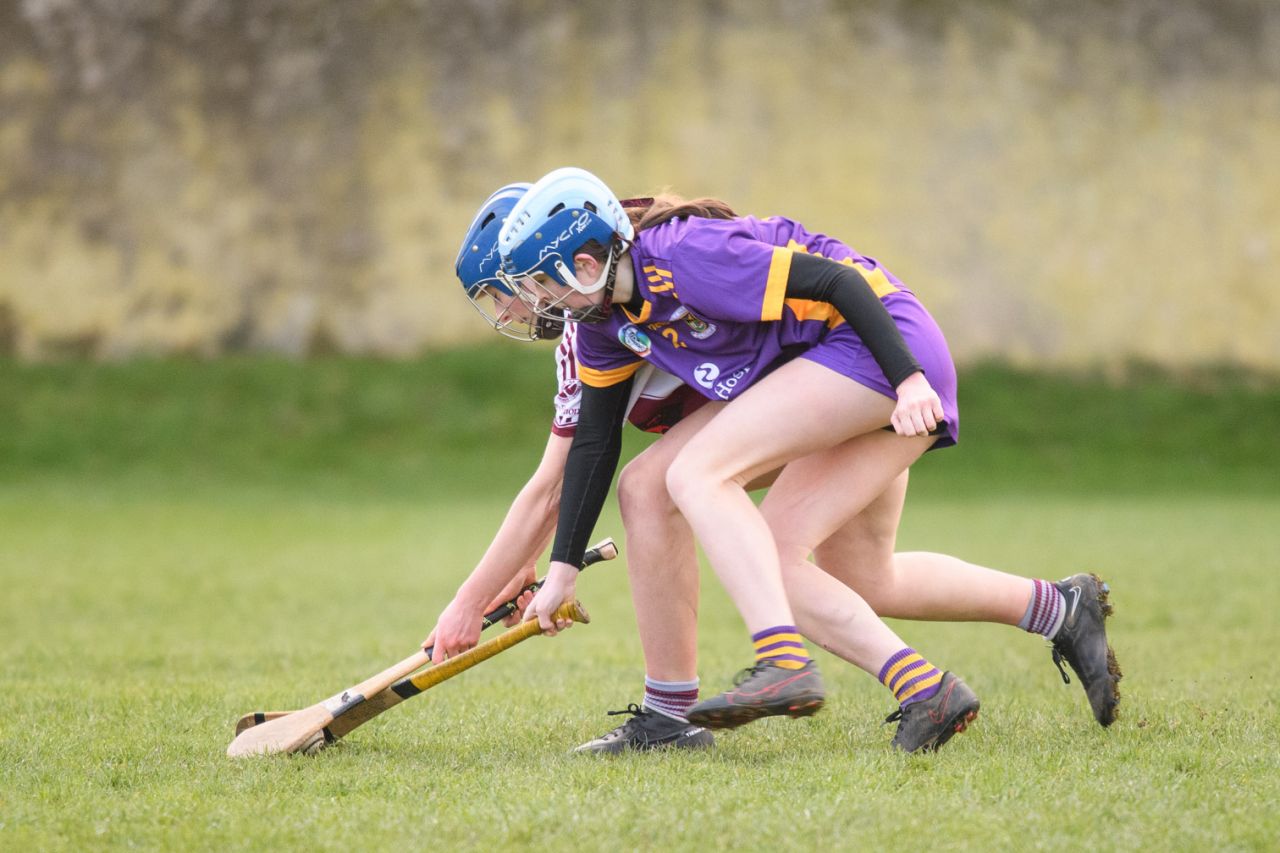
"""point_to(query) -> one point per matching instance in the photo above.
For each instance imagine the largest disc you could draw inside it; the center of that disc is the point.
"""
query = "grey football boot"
(763, 690)
(1082, 643)
(926, 725)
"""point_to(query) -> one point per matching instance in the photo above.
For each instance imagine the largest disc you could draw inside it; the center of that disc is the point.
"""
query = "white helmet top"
(558, 215)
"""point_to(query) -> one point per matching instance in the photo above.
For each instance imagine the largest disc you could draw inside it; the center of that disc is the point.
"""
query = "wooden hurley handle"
(605, 550)
(432, 676)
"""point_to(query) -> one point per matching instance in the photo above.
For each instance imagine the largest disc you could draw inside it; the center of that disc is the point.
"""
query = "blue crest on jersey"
(635, 340)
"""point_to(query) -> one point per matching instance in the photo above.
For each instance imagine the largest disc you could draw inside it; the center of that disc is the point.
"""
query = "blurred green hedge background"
(1063, 184)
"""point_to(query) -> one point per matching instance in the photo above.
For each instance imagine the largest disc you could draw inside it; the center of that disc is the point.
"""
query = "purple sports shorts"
(845, 353)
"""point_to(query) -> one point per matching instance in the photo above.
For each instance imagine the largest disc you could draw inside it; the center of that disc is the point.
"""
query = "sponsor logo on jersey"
(706, 374)
(635, 340)
(724, 390)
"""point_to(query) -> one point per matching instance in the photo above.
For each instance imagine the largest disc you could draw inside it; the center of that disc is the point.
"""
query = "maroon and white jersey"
(658, 399)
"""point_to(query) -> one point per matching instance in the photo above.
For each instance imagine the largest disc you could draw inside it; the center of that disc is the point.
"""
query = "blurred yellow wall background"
(1062, 184)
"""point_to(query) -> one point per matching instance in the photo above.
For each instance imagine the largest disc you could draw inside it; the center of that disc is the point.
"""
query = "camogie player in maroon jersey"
(816, 348)
(658, 559)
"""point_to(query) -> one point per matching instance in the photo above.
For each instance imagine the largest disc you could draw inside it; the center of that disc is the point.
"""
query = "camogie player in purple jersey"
(816, 348)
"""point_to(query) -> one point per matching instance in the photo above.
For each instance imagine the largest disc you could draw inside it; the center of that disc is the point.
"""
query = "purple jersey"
(715, 312)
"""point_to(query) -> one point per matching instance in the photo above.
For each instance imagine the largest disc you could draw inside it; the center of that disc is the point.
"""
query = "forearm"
(525, 530)
(589, 469)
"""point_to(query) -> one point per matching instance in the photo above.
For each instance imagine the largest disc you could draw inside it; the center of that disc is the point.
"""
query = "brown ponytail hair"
(646, 213)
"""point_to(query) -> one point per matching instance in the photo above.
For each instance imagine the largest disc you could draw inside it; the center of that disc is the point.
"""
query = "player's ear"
(585, 263)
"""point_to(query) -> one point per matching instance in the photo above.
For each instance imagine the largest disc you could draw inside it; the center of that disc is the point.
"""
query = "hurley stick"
(404, 688)
(301, 729)
(606, 550)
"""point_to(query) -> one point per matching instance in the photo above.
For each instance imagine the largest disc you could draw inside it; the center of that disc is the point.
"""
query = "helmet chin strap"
(546, 329)
(600, 313)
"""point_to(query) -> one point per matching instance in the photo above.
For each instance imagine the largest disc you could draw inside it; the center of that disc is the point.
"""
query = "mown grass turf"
(181, 543)
(469, 417)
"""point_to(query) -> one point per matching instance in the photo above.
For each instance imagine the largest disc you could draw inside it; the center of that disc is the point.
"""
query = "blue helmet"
(563, 211)
(478, 266)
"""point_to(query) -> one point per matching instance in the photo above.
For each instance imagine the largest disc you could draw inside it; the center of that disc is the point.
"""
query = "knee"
(878, 594)
(686, 482)
(872, 579)
(642, 488)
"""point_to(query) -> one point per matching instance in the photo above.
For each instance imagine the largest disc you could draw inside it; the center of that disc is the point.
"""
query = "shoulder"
(669, 238)
(595, 340)
(703, 237)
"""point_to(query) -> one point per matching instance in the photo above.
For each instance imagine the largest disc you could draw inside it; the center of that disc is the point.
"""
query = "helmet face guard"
(504, 310)
(547, 300)
(547, 285)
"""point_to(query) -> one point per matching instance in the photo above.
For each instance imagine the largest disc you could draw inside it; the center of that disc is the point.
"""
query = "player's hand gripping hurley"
(282, 731)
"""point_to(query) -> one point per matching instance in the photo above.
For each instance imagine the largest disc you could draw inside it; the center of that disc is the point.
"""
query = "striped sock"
(672, 698)
(782, 645)
(1045, 610)
(910, 677)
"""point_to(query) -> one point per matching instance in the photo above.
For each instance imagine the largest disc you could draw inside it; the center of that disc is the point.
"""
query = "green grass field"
(184, 542)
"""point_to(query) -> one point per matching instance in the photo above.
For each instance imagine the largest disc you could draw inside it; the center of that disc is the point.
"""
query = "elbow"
(543, 491)
(551, 497)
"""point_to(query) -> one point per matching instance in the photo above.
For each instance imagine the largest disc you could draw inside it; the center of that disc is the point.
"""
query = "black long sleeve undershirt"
(840, 285)
(588, 472)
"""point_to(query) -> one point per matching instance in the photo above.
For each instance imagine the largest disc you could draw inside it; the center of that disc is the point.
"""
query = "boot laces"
(747, 674)
(1057, 661)
(636, 721)
(645, 723)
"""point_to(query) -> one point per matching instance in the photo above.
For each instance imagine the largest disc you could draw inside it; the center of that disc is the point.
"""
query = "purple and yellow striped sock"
(782, 645)
(910, 676)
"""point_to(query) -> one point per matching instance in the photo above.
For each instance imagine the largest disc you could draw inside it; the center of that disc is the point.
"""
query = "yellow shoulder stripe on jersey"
(606, 378)
(874, 277)
(775, 287)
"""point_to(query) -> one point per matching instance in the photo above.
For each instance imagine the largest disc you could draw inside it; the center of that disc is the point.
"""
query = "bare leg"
(662, 563)
(914, 585)
(803, 506)
(798, 410)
